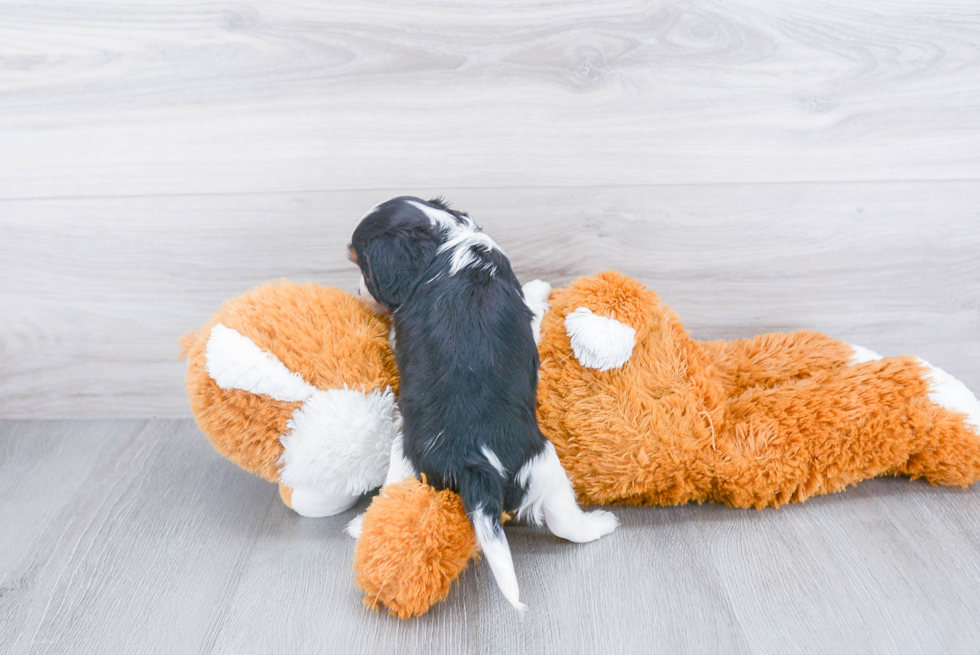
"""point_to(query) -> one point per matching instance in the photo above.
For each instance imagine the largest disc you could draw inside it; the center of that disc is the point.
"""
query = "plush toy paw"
(315, 503)
(414, 541)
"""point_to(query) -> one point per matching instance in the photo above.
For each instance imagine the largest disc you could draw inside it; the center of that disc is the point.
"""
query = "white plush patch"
(339, 441)
(599, 342)
(497, 552)
(536, 294)
(234, 362)
(314, 503)
(949, 393)
(549, 499)
(462, 235)
(862, 355)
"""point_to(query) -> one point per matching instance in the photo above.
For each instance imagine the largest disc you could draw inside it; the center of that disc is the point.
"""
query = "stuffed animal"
(638, 411)
(642, 414)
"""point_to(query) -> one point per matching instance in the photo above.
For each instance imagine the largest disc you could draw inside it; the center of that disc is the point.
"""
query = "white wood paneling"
(96, 292)
(118, 98)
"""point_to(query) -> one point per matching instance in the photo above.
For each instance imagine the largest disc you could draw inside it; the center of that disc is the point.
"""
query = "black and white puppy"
(469, 369)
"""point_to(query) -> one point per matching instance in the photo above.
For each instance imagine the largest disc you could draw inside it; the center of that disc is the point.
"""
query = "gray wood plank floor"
(134, 536)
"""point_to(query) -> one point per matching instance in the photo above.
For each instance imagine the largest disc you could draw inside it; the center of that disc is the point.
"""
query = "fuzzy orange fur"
(757, 422)
(433, 539)
(752, 423)
(326, 335)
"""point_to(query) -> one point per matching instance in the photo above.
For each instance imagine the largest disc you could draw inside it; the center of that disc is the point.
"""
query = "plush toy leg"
(414, 541)
(314, 503)
(950, 422)
(770, 359)
(835, 428)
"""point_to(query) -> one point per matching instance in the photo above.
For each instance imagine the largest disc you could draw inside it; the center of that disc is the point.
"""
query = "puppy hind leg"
(549, 498)
(482, 494)
(399, 468)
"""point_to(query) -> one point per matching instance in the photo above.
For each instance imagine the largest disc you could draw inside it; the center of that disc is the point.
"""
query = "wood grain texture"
(117, 98)
(96, 292)
(134, 536)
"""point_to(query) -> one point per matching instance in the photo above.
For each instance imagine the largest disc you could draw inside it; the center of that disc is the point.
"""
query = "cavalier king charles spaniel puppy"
(469, 371)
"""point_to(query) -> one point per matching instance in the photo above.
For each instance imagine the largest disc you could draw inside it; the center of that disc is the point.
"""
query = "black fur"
(465, 354)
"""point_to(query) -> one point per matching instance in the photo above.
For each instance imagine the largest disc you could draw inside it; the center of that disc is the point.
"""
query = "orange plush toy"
(642, 414)
(297, 383)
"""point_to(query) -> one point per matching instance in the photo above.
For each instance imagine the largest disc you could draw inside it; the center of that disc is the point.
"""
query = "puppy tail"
(482, 493)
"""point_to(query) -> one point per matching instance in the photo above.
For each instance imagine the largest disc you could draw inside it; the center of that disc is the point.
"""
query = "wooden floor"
(762, 165)
(133, 536)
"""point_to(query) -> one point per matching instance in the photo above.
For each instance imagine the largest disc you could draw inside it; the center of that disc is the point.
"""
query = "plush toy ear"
(599, 342)
(396, 260)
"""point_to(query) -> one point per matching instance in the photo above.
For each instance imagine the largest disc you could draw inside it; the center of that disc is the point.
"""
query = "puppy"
(469, 370)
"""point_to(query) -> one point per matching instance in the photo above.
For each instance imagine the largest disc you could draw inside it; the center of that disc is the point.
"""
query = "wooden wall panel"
(119, 98)
(96, 292)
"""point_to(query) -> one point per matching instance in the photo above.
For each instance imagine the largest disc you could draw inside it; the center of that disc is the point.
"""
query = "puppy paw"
(354, 527)
(601, 523)
(589, 526)
(536, 294)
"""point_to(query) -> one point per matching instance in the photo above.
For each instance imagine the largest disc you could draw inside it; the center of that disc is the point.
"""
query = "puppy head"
(393, 246)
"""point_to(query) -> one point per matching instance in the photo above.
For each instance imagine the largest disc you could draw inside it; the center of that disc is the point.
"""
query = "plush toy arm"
(771, 359)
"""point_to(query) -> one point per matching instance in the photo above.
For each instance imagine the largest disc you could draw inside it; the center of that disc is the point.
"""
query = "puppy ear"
(396, 260)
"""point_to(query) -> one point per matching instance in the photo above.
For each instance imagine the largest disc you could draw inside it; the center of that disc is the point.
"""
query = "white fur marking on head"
(234, 362)
(536, 294)
(862, 355)
(599, 342)
(497, 552)
(339, 441)
(949, 393)
(494, 461)
(549, 498)
(462, 235)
